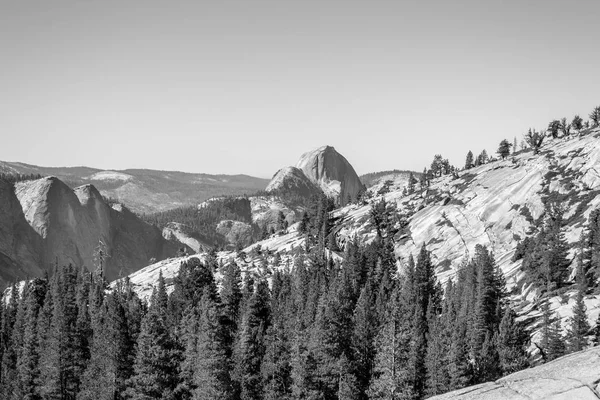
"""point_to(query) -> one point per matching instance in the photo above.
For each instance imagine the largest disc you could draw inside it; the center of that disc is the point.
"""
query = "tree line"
(316, 329)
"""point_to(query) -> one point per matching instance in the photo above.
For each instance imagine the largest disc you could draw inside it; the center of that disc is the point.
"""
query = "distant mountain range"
(145, 190)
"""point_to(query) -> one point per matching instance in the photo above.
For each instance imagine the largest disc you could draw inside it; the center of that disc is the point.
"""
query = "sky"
(247, 86)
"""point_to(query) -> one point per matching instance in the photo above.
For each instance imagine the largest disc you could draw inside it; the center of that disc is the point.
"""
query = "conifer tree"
(363, 335)
(553, 128)
(110, 362)
(504, 148)
(391, 378)
(597, 331)
(556, 341)
(511, 343)
(251, 348)
(276, 367)
(459, 367)
(211, 379)
(438, 348)
(595, 116)
(28, 361)
(469, 161)
(155, 368)
(61, 366)
(488, 360)
(578, 327)
(577, 123)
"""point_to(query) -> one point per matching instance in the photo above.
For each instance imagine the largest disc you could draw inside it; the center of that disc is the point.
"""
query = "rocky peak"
(292, 180)
(331, 172)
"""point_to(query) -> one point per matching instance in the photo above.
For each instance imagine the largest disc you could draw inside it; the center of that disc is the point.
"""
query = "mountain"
(143, 190)
(45, 222)
(572, 377)
(292, 180)
(331, 172)
(497, 205)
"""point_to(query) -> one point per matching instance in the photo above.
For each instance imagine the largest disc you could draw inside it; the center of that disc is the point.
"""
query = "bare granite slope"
(572, 377)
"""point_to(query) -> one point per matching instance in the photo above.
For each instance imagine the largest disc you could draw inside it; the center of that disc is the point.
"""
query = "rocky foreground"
(573, 377)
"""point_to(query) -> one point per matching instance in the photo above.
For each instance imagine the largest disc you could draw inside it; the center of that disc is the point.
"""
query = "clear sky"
(245, 86)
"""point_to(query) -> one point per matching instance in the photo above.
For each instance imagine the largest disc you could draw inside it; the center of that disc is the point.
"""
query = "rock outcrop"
(181, 233)
(236, 233)
(331, 172)
(44, 222)
(19, 243)
(292, 180)
(573, 377)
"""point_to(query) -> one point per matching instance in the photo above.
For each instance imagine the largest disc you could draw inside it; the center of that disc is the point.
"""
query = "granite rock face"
(18, 240)
(292, 180)
(44, 222)
(331, 172)
(236, 232)
(573, 377)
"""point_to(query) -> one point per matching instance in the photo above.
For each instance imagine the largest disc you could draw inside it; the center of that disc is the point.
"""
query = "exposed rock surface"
(495, 205)
(181, 233)
(398, 181)
(573, 377)
(293, 180)
(237, 233)
(332, 172)
(44, 222)
(265, 211)
(18, 240)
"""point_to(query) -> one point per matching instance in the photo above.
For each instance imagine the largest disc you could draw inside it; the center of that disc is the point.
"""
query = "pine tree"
(61, 366)
(412, 181)
(155, 368)
(363, 335)
(504, 148)
(347, 383)
(391, 379)
(459, 367)
(425, 287)
(595, 116)
(597, 331)
(469, 161)
(578, 323)
(553, 128)
(28, 361)
(211, 379)
(577, 123)
(488, 360)
(251, 348)
(438, 348)
(110, 361)
(277, 364)
(535, 140)
(9, 354)
(556, 341)
(511, 343)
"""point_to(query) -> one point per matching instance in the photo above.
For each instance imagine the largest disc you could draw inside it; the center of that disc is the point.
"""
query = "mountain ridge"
(147, 190)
